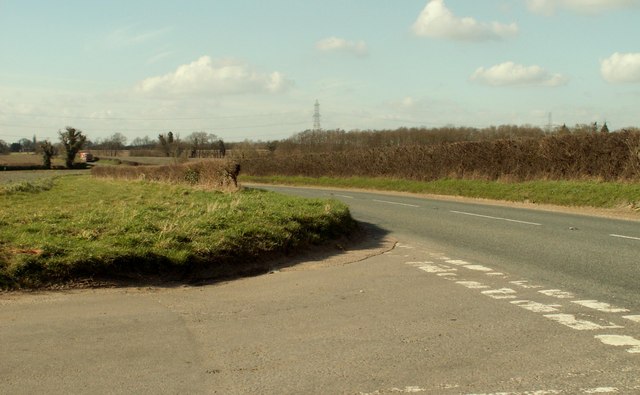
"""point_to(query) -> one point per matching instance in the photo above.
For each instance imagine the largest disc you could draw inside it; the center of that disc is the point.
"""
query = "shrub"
(213, 174)
(600, 156)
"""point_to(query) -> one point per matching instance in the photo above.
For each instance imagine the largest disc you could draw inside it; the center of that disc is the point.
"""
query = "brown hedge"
(215, 174)
(604, 156)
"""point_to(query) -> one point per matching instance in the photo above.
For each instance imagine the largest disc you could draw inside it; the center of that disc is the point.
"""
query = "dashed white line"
(503, 293)
(576, 322)
(634, 318)
(600, 306)
(496, 218)
(625, 237)
(525, 284)
(620, 341)
(541, 392)
(458, 262)
(472, 284)
(395, 203)
(572, 322)
(536, 307)
(345, 196)
(478, 268)
(556, 293)
(436, 268)
(599, 390)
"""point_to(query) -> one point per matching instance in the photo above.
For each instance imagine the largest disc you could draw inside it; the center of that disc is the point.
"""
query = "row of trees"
(340, 140)
(196, 145)
(207, 145)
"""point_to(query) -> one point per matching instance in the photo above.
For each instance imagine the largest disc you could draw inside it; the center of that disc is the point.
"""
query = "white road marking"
(436, 268)
(405, 390)
(556, 293)
(478, 268)
(536, 307)
(503, 293)
(634, 318)
(617, 340)
(601, 390)
(395, 203)
(625, 237)
(345, 196)
(472, 284)
(600, 306)
(541, 392)
(525, 284)
(458, 262)
(496, 218)
(572, 322)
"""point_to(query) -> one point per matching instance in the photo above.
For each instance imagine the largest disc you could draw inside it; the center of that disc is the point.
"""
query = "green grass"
(564, 193)
(82, 226)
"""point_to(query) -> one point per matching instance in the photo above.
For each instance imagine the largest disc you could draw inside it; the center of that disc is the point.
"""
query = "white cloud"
(437, 21)
(336, 44)
(511, 74)
(206, 76)
(549, 7)
(621, 68)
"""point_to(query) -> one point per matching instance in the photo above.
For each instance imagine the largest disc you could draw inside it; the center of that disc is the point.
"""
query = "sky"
(253, 69)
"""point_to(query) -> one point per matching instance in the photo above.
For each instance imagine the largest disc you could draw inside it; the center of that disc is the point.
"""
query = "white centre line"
(496, 218)
(396, 203)
(344, 196)
(625, 237)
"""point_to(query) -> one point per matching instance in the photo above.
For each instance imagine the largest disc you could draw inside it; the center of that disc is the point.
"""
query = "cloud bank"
(437, 21)
(549, 7)
(336, 44)
(221, 77)
(621, 68)
(512, 74)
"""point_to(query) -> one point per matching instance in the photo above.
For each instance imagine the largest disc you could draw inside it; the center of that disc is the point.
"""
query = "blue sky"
(249, 69)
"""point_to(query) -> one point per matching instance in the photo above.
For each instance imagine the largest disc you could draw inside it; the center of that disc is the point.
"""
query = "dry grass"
(210, 174)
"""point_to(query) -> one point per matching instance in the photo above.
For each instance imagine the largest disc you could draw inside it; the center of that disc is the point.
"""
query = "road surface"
(473, 299)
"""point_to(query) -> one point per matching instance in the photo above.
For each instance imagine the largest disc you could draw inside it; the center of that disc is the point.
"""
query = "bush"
(599, 156)
(213, 174)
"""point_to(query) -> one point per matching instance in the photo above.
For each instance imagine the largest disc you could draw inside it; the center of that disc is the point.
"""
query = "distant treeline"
(506, 153)
(340, 140)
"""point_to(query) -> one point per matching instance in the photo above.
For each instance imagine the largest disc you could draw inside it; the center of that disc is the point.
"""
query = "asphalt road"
(591, 255)
(473, 299)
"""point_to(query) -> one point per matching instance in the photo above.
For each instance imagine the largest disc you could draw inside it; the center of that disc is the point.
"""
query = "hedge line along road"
(473, 299)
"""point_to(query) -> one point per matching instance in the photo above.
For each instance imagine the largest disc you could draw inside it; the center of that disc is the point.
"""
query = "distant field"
(21, 159)
(143, 160)
(11, 177)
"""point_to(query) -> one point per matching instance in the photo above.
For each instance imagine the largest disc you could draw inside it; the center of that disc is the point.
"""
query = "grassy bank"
(82, 226)
(564, 193)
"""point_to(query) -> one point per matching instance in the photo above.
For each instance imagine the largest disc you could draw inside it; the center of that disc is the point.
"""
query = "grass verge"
(563, 193)
(83, 227)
